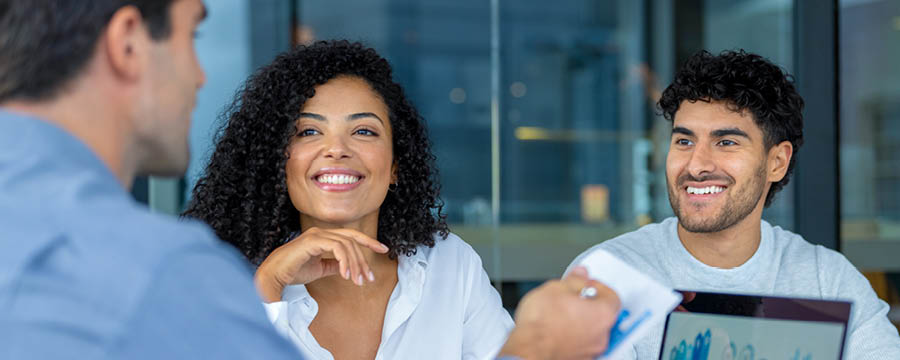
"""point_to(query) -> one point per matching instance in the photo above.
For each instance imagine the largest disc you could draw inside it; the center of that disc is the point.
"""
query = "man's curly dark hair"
(243, 193)
(744, 81)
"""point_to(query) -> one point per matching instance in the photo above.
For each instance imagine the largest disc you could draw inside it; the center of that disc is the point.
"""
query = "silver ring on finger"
(588, 292)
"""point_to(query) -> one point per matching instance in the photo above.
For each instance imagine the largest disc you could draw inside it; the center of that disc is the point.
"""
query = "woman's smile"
(337, 179)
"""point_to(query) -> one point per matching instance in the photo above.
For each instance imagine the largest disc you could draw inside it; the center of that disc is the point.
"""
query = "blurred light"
(457, 96)
(531, 133)
(594, 203)
(897, 23)
(518, 89)
(304, 35)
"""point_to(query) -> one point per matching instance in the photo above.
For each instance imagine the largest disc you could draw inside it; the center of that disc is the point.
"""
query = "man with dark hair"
(736, 127)
(93, 93)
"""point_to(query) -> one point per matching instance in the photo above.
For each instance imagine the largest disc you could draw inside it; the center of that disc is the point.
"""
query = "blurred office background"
(542, 113)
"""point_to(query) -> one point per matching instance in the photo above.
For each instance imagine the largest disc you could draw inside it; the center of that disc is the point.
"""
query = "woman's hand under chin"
(315, 254)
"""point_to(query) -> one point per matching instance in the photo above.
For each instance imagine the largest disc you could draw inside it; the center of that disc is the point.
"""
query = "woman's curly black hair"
(744, 81)
(243, 193)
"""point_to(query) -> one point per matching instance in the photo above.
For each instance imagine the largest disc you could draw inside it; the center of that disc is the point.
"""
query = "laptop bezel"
(845, 320)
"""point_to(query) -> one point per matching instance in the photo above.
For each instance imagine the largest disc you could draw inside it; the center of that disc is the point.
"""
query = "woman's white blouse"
(443, 307)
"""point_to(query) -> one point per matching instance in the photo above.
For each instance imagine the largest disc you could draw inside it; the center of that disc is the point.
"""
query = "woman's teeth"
(337, 179)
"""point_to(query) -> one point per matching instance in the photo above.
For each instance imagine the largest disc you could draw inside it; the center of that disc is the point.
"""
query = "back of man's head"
(120, 75)
(45, 44)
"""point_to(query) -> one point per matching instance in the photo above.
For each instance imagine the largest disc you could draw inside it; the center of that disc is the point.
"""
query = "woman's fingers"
(344, 257)
(359, 266)
(309, 256)
(364, 240)
(330, 267)
(354, 241)
(315, 249)
(365, 270)
(356, 261)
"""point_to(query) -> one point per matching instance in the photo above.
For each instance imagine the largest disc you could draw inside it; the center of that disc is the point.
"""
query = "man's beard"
(737, 206)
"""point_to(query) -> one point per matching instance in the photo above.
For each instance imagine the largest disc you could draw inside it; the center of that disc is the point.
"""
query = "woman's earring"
(392, 187)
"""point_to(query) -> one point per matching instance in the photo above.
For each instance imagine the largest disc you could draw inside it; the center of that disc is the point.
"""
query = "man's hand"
(554, 322)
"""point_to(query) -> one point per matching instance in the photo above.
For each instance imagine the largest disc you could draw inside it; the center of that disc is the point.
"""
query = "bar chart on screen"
(693, 336)
(699, 350)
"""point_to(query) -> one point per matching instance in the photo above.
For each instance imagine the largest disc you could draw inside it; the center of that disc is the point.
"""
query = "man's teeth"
(337, 179)
(705, 190)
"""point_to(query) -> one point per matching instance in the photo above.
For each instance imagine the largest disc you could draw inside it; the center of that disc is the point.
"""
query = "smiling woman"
(341, 162)
(243, 193)
(324, 177)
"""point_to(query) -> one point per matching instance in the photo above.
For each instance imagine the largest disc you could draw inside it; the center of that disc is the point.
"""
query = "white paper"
(645, 302)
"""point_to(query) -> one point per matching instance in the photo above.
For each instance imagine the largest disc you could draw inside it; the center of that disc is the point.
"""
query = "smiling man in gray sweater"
(736, 127)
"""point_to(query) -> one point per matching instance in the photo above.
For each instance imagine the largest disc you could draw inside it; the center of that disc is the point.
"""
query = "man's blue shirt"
(88, 273)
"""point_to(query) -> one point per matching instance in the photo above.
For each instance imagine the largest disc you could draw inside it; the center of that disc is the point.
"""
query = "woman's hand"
(315, 254)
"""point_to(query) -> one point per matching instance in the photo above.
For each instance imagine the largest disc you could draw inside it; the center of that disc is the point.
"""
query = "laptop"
(714, 326)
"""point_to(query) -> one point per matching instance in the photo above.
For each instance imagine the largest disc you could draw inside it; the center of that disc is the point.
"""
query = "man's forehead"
(704, 116)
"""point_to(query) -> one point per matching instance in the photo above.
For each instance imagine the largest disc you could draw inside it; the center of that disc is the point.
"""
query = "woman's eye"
(307, 132)
(366, 132)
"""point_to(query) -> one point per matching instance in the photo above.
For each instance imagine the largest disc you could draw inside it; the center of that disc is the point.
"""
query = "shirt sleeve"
(487, 324)
(201, 305)
(871, 334)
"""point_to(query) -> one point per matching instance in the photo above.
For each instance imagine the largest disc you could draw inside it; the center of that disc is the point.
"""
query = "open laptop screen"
(712, 326)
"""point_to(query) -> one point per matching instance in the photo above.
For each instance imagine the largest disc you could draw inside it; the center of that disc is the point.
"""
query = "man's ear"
(125, 43)
(779, 160)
